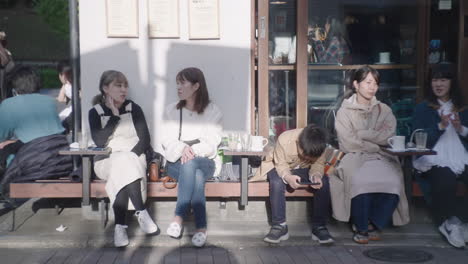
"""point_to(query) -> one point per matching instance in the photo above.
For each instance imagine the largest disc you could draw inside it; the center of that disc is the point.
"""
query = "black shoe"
(321, 234)
(277, 233)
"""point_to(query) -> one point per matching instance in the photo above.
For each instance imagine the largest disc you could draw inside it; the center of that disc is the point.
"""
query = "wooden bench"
(68, 189)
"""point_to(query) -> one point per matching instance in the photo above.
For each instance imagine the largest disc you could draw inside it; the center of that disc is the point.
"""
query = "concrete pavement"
(36, 240)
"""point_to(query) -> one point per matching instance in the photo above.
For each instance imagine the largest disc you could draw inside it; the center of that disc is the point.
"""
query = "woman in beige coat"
(367, 187)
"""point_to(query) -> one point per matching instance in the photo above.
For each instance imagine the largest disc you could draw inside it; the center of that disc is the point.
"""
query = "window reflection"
(282, 94)
(343, 34)
(282, 25)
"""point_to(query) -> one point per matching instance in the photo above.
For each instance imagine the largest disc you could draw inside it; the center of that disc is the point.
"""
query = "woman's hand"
(444, 122)
(110, 103)
(187, 155)
(456, 123)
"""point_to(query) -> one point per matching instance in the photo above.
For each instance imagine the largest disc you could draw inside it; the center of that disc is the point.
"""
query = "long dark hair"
(202, 98)
(444, 71)
(107, 78)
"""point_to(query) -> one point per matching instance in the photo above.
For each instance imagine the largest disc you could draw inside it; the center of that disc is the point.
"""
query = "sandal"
(199, 239)
(174, 230)
(361, 237)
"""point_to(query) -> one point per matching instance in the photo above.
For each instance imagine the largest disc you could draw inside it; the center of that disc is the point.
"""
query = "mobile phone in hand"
(305, 181)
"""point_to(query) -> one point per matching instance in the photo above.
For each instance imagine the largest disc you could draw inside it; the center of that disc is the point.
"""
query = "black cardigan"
(101, 135)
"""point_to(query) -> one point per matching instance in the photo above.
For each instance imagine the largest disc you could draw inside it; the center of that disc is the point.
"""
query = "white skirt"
(119, 170)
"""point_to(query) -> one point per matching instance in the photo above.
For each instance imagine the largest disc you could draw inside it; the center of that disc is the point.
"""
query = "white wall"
(152, 64)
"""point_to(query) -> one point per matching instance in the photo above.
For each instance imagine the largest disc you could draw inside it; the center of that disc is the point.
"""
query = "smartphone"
(306, 181)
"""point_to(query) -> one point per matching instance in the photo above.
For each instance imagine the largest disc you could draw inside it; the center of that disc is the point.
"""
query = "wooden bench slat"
(67, 189)
(62, 189)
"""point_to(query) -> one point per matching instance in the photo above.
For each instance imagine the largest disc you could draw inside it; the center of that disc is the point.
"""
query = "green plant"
(54, 13)
(49, 78)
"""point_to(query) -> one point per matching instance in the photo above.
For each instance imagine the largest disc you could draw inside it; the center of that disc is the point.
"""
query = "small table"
(86, 155)
(407, 164)
(244, 168)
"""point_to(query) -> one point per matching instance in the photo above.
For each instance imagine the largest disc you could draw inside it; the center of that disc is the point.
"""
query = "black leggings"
(132, 191)
(443, 191)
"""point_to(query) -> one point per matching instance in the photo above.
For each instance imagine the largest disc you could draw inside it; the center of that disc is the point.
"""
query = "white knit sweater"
(205, 127)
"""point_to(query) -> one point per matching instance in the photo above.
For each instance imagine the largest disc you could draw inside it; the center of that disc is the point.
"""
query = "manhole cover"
(398, 255)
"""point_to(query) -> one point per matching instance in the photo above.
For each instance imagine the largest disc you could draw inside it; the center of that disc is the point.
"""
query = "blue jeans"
(191, 178)
(375, 208)
(321, 200)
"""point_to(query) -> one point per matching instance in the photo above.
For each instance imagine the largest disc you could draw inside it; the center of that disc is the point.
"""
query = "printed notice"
(203, 19)
(122, 18)
(163, 18)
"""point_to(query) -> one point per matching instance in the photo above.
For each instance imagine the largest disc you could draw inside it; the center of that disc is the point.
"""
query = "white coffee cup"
(397, 142)
(257, 143)
(384, 57)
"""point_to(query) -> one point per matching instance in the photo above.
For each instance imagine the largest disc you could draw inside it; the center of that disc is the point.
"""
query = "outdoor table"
(86, 155)
(406, 157)
(244, 168)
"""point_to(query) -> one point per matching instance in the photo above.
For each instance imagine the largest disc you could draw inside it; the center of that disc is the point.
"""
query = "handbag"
(155, 169)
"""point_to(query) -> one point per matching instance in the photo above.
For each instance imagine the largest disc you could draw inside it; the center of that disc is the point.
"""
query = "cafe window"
(312, 51)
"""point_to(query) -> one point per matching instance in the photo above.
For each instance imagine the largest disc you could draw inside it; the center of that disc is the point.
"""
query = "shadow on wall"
(121, 57)
(226, 69)
(227, 74)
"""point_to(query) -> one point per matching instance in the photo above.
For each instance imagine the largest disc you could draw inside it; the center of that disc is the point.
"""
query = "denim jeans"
(321, 198)
(376, 208)
(191, 178)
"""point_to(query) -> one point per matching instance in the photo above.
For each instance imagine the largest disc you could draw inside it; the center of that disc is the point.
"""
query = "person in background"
(367, 188)
(190, 142)
(31, 129)
(6, 65)
(65, 94)
(331, 43)
(119, 124)
(297, 157)
(444, 117)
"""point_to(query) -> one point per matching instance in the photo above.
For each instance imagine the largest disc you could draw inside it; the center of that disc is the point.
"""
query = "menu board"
(122, 18)
(203, 19)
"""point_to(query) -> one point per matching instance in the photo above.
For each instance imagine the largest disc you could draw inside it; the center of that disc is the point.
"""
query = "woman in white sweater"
(191, 137)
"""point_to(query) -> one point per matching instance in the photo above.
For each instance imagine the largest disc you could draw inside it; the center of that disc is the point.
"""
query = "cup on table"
(258, 143)
(420, 139)
(232, 141)
(397, 142)
(83, 140)
(245, 141)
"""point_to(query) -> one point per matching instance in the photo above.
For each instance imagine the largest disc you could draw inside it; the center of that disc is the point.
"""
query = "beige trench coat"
(361, 131)
(284, 158)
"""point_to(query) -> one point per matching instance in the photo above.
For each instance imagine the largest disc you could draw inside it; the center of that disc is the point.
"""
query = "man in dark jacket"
(32, 119)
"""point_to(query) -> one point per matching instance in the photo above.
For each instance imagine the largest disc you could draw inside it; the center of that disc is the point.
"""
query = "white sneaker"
(146, 223)
(199, 239)
(465, 232)
(453, 233)
(174, 230)
(120, 236)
